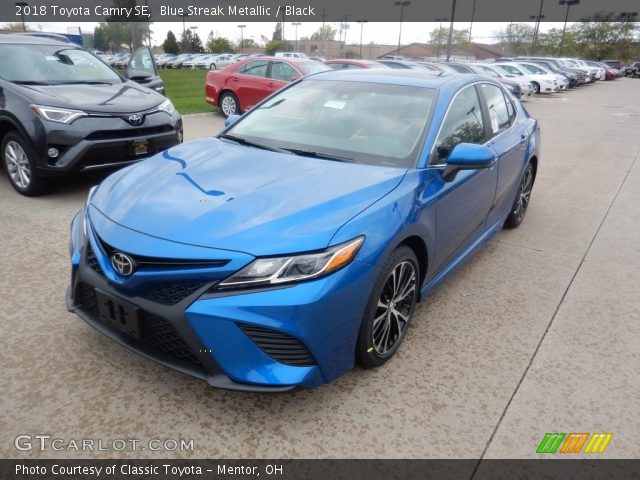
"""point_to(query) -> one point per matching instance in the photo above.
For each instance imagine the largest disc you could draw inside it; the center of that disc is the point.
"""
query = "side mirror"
(137, 75)
(231, 119)
(467, 156)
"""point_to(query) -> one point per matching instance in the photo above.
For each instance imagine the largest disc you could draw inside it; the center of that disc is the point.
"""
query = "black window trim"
(485, 115)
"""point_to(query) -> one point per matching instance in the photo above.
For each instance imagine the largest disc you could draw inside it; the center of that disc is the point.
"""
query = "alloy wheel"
(17, 164)
(229, 106)
(524, 194)
(394, 307)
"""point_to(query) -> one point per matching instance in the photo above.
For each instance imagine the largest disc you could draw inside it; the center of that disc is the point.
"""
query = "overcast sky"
(382, 32)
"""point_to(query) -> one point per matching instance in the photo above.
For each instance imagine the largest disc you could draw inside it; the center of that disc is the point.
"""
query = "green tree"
(516, 38)
(15, 27)
(326, 32)
(190, 42)
(248, 43)
(277, 33)
(441, 35)
(170, 45)
(217, 44)
(277, 46)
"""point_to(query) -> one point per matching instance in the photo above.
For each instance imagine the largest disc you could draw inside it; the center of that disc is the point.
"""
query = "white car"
(541, 83)
(291, 55)
(525, 86)
(591, 72)
(221, 61)
(601, 71)
(533, 68)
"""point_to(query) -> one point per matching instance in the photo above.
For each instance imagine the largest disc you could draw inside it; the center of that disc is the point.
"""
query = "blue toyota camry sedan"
(297, 242)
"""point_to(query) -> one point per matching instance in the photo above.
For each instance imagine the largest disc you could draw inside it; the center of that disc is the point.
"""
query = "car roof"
(26, 39)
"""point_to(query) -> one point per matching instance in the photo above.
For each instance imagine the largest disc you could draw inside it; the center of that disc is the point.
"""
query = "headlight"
(279, 270)
(60, 115)
(167, 107)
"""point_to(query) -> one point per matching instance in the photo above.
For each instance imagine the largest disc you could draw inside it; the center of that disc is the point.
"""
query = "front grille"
(172, 294)
(279, 346)
(156, 332)
(129, 133)
(86, 297)
(161, 335)
(92, 260)
(164, 263)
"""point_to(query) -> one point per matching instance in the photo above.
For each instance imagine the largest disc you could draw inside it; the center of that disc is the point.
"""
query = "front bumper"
(211, 335)
(98, 142)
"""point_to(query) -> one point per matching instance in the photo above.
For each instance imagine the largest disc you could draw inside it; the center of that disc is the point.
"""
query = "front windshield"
(371, 123)
(533, 69)
(510, 69)
(52, 65)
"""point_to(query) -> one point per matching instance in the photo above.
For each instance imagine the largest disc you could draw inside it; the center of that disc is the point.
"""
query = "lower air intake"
(279, 346)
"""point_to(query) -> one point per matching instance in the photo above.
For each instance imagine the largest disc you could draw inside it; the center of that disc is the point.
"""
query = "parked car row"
(239, 87)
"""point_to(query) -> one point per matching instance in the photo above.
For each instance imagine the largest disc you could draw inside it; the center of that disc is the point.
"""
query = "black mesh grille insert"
(86, 296)
(161, 335)
(279, 346)
(157, 333)
(172, 294)
(92, 261)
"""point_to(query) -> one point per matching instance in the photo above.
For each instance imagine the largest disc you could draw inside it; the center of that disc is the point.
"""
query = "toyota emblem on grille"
(135, 119)
(123, 264)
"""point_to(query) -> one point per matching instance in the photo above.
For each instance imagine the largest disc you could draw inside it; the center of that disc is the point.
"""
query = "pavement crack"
(553, 317)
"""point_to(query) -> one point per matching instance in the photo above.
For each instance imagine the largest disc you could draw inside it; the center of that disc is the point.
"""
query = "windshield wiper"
(244, 141)
(84, 82)
(326, 156)
(30, 82)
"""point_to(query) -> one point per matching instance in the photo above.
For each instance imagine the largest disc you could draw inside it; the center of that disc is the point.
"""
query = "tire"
(212, 66)
(229, 104)
(536, 87)
(523, 196)
(383, 326)
(18, 161)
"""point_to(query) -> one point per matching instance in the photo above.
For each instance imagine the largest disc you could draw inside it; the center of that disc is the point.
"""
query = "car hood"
(222, 195)
(124, 97)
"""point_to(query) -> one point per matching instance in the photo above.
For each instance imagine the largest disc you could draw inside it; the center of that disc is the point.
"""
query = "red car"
(242, 85)
(345, 63)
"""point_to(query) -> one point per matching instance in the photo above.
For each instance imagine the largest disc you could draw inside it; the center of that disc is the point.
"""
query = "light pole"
(22, 5)
(296, 24)
(627, 17)
(453, 16)
(361, 22)
(473, 14)
(241, 27)
(402, 4)
(537, 18)
(568, 3)
(440, 34)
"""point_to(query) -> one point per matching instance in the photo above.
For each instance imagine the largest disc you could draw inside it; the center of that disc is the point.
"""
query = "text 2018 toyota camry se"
(297, 242)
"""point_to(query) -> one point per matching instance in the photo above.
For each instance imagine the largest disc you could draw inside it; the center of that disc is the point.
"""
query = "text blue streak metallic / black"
(199, 212)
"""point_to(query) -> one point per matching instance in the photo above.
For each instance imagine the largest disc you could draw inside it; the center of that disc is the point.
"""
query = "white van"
(291, 55)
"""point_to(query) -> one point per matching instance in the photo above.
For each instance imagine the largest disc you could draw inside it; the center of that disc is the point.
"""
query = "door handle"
(523, 139)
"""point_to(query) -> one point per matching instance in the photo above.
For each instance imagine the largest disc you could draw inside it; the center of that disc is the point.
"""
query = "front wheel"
(523, 195)
(229, 104)
(390, 309)
(212, 66)
(18, 160)
(536, 87)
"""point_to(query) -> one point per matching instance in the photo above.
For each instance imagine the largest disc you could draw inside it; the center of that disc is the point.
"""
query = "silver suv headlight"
(60, 115)
(167, 107)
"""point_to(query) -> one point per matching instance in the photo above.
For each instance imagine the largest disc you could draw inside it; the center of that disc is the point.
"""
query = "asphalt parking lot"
(539, 332)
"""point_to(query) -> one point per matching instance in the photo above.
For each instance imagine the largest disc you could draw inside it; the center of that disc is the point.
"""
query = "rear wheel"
(390, 309)
(18, 160)
(520, 204)
(229, 104)
(212, 66)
